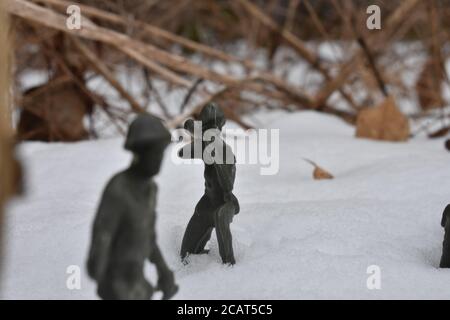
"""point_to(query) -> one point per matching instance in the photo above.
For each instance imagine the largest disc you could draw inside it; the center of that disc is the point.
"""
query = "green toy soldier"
(218, 205)
(445, 260)
(124, 233)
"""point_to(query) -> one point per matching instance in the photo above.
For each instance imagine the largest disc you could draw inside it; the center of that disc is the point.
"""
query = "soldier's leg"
(199, 229)
(223, 218)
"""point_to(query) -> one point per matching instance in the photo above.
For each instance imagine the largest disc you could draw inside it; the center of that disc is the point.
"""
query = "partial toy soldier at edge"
(445, 223)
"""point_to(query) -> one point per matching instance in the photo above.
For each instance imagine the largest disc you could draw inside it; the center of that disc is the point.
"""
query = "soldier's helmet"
(146, 131)
(212, 116)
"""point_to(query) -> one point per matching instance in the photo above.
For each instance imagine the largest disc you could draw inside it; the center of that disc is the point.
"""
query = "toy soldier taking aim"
(218, 205)
(123, 234)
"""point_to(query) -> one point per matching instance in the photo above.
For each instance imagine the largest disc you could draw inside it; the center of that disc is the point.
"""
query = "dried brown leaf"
(54, 113)
(319, 173)
(384, 122)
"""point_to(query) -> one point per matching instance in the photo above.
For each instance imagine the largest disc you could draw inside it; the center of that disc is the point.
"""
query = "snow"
(295, 238)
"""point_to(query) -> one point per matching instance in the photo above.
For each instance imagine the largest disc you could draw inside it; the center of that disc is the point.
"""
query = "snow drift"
(295, 238)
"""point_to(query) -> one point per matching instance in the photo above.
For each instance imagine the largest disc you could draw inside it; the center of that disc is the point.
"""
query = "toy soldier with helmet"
(123, 234)
(218, 205)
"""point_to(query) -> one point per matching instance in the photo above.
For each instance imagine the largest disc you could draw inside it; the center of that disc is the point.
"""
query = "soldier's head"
(147, 138)
(212, 117)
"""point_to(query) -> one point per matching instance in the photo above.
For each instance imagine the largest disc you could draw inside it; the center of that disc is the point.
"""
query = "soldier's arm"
(158, 260)
(166, 280)
(105, 226)
(226, 173)
(155, 255)
(187, 152)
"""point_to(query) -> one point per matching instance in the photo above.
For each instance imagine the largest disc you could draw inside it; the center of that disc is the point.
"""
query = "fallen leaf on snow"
(319, 173)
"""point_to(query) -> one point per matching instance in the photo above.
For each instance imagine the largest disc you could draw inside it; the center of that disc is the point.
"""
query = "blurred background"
(171, 57)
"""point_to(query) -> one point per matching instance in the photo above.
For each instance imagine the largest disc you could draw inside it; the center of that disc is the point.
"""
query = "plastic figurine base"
(218, 205)
(123, 234)
(445, 260)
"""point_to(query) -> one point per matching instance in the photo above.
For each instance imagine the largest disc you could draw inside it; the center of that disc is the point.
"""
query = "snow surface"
(295, 238)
